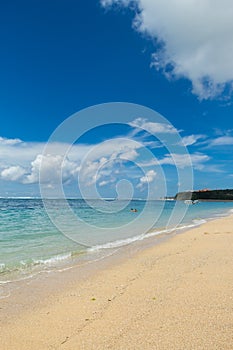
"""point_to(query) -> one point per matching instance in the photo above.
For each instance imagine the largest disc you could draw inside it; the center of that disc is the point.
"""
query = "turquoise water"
(29, 240)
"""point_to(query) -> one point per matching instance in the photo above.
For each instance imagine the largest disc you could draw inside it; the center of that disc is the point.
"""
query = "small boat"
(191, 201)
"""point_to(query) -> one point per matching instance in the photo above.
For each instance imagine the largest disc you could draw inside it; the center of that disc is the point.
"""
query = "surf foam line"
(123, 242)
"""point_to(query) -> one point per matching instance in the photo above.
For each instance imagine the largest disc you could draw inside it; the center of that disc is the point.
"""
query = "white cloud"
(115, 148)
(191, 139)
(13, 173)
(21, 162)
(222, 141)
(51, 169)
(118, 2)
(107, 182)
(147, 178)
(149, 162)
(129, 155)
(195, 40)
(103, 183)
(91, 171)
(10, 142)
(44, 168)
(102, 159)
(154, 128)
(104, 164)
(184, 160)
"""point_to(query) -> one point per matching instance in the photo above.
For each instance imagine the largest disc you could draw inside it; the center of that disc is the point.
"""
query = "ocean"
(30, 243)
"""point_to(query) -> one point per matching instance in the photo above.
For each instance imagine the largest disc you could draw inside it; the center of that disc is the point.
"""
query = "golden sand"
(175, 295)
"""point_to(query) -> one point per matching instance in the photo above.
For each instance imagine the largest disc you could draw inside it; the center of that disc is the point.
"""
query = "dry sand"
(176, 295)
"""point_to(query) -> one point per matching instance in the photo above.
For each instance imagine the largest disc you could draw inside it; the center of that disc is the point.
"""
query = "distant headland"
(206, 194)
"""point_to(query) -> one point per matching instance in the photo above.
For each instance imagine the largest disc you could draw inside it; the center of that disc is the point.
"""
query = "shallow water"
(30, 243)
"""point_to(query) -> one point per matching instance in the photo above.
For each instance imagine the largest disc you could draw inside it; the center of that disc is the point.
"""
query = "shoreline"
(122, 291)
(110, 253)
(72, 259)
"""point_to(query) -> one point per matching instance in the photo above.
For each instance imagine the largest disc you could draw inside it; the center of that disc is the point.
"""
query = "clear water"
(29, 240)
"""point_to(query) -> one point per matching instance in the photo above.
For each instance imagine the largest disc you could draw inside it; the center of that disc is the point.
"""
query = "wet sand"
(175, 295)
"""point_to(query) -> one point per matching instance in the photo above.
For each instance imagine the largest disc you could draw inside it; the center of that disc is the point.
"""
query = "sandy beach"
(175, 295)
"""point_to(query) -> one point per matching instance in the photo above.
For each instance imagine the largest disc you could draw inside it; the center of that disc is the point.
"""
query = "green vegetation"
(206, 195)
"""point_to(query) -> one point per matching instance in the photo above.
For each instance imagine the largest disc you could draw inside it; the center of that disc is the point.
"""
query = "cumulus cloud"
(51, 169)
(154, 128)
(194, 40)
(147, 178)
(107, 182)
(191, 139)
(13, 173)
(102, 159)
(102, 164)
(47, 169)
(115, 148)
(103, 183)
(92, 171)
(10, 142)
(196, 160)
(222, 141)
(24, 162)
(129, 155)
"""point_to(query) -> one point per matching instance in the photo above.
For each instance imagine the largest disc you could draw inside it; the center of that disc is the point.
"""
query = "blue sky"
(60, 57)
